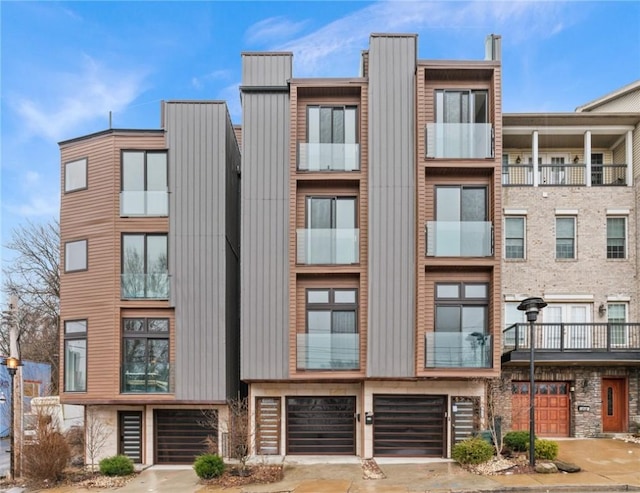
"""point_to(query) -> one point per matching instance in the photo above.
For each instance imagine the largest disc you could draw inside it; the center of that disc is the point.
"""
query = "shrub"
(546, 449)
(47, 456)
(472, 451)
(118, 465)
(518, 441)
(208, 466)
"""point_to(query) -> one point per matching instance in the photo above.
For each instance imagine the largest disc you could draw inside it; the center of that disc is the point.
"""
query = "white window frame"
(73, 249)
(524, 236)
(75, 175)
(625, 332)
(578, 337)
(575, 236)
(626, 236)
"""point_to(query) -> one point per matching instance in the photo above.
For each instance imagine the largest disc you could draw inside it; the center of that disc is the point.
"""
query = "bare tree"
(239, 431)
(33, 277)
(96, 434)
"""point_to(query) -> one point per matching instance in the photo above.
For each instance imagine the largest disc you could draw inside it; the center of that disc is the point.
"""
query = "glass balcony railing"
(328, 157)
(143, 203)
(328, 351)
(458, 350)
(141, 377)
(145, 286)
(328, 246)
(459, 140)
(459, 238)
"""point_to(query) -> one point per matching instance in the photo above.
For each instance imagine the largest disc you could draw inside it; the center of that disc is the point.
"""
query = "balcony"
(565, 174)
(328, 246)
(143, 203)
(571, 342)
(328, 157)
(457, 350)
(459, 239)
(459, 140)
(328, 351)
(145, 286)
(141, 378)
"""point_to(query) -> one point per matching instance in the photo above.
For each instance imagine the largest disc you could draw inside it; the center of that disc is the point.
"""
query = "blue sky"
(65, 65)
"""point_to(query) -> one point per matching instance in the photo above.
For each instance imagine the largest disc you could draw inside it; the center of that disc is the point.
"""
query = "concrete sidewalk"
(607, 465)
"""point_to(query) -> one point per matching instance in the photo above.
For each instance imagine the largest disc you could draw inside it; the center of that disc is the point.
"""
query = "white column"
(587, 156)
(628, 147)
(534, 156)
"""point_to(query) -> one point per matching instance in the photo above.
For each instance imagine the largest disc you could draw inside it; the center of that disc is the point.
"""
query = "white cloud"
(199, 81)
(273, 29)
(36, 206)
(75, 99)
(31, 178)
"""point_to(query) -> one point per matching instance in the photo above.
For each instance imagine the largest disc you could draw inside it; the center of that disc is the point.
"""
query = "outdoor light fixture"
(12, 365)
(602, 309)
(518, 160)
(576, 159)
(532, 306)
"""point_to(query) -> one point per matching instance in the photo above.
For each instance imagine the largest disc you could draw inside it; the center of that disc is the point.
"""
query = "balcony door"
(461, 222)
(331, 230)
(332, 138)
(574, 318)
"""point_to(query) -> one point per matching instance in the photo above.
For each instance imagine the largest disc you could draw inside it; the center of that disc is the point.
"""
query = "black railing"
(602, 175)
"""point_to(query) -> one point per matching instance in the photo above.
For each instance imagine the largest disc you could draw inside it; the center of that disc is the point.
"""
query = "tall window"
(144, 266)
(332, 137)
(616, 237)
(331, 230)
(565, 237)
(461, 106)
(597, 160)
(75, 175)
(75, 356)
(145, 355)
(144, 183)
(617, 317)
(75, 255)
(514, 237)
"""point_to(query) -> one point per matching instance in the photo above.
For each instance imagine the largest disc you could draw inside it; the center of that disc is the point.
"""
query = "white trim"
(618, 298)
(567, 129)
(515, 212)
(618, 212)
(566, 212)
(515, 297)
(585, 298)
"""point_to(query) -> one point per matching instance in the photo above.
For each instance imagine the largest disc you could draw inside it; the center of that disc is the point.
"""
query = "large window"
(616, 237)
(75, 356)
(617, 317)
(331, 339)
(144, 266)
(144, 183)
(565, 237)
(461, 106)
(332, 139)
(75, 255)
(75, 175)
(514, 237)
(145, 355)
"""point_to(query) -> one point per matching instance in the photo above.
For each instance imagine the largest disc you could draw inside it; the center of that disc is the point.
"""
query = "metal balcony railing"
(565, 174)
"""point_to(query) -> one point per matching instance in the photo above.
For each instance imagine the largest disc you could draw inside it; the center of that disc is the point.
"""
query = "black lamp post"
(12, 365)
(532, 306)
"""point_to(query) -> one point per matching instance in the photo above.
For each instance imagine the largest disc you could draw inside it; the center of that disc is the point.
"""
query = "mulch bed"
(256, 474)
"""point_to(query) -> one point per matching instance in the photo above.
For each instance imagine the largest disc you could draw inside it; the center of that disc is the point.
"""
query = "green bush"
(472, 451)
(208, 466)
(518, 441)
(546, 449)
(118, 465)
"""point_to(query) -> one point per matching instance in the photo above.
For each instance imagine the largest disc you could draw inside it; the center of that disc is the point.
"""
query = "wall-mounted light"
(518, 160)
(576, 159)
(602, 309)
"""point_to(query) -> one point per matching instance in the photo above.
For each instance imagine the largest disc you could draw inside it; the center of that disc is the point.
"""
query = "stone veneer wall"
(587, 384)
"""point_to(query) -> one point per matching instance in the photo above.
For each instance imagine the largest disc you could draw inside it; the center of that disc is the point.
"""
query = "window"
(597, 160)
(331, 337)
(616, 237)
(514, 237)
(75, 356)
(565, 237)
(331, 234)
(332, 137)
(144, 266)
(144, 183)
(145, 355)
(617, 317)
(75, 255)
(461, 106)
(568, 320)
(513, 316)
(75, 175)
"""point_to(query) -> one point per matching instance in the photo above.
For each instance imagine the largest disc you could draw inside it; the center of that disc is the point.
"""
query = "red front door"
(613, 405)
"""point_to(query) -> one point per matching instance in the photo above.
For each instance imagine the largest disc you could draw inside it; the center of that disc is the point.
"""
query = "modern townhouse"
(150, 280)
(371, 251)
(570, 195)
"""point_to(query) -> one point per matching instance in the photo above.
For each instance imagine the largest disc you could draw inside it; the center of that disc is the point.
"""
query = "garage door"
(321, 425)
(409, 425)
(551, 408)
(180, 435)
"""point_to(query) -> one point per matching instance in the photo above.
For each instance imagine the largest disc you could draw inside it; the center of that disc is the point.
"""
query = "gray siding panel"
(264, 269)
(199, 160)
(391, 317)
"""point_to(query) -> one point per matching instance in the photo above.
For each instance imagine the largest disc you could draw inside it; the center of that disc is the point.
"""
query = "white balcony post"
(628, 147)
(534, 157)
(587, 156)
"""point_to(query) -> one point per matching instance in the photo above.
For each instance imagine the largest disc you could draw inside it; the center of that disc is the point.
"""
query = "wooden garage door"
(551, 408)
(409, 425)
(321, 425)
(180, 435)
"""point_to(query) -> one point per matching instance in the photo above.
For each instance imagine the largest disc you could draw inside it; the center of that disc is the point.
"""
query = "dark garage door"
(321, 425)
(409, 425)
(180, 435)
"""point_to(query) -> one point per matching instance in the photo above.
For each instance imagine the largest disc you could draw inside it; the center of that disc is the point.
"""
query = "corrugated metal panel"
(264, 269)
(198, 161)
(392, 66)
(266, 69)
